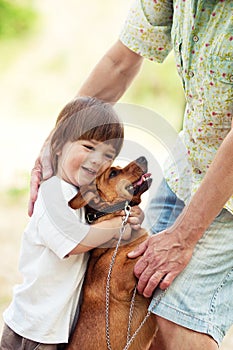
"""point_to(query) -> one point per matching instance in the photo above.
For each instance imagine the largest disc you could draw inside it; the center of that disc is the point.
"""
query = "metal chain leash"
(127, 210)
(131, 310)
(129, 338)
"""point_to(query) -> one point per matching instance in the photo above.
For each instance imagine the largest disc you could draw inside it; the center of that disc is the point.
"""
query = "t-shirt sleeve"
(60, 227)
(147, 30)
(61, 239)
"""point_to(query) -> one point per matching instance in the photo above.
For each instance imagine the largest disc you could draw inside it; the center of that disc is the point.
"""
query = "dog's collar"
(91, 214)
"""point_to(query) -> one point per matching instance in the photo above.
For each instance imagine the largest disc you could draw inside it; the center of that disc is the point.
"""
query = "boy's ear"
(84, 197)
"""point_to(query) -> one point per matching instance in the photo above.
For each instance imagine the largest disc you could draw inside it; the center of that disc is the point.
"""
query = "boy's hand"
(136, 217)
(117, 224)
(134, 222)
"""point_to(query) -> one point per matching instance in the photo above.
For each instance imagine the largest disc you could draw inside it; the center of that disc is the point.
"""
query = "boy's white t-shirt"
(44, 305)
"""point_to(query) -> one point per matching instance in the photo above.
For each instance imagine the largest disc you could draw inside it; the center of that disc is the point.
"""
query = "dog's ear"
(84, 197)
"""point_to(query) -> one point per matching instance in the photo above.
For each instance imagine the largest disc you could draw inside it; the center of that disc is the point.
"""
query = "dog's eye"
(113, 173)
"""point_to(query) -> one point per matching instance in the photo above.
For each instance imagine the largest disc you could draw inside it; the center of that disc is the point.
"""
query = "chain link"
(129, 338)
(127, 210)
(131, 310)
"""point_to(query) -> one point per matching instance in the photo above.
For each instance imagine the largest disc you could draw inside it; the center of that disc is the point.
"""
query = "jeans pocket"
(224, 216)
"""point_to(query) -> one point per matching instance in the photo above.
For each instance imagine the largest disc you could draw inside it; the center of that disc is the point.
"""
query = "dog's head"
(114, 187)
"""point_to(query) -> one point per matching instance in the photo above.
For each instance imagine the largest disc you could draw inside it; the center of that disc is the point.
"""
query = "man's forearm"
(113, 74)
(214, 191)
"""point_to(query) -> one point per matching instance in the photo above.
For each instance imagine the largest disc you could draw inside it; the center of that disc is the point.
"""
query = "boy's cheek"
(104, 167)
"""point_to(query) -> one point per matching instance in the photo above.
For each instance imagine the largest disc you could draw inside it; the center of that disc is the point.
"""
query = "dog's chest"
(123, 280)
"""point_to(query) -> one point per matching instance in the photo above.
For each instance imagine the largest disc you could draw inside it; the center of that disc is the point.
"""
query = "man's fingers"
(167, 281)
(32, 199)
(30, 207)
(42, 170)
(138, 251)
(33, 196)
(148, 281)
(45, 160)
(34, 186)
(47, 170)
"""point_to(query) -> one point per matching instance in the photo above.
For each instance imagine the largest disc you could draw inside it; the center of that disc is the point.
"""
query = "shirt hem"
(35, 338)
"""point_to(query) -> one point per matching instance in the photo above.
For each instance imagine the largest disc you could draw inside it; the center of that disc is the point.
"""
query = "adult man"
(193, 256)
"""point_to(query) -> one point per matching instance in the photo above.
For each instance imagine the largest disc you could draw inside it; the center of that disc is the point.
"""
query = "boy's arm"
(101, 233)
(108, 231)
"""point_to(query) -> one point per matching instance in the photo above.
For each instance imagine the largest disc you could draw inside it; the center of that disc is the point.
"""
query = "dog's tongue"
(142, 179)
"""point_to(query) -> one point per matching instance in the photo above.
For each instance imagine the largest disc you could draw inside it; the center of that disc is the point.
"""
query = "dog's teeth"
(144, 178)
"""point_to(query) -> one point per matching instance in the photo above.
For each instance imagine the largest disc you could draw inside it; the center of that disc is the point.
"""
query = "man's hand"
(41, 171)
(165, 255)
(36, 175)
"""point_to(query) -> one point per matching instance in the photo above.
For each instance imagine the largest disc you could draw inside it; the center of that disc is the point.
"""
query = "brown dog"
(105, 199)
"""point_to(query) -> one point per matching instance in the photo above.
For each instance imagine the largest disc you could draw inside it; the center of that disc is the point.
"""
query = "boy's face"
(81, 161)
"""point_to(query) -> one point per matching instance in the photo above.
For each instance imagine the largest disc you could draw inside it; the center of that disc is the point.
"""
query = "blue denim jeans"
(164, 209)
(200, 298)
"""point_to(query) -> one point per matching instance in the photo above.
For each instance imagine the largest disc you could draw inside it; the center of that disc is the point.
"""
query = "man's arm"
(108, 81)
(166, 254)
(113, 74)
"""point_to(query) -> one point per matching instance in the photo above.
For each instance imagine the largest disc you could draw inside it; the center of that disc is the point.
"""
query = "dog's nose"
(141, 161)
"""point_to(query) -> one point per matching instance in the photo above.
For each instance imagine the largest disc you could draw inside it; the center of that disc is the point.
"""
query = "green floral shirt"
(201, 34)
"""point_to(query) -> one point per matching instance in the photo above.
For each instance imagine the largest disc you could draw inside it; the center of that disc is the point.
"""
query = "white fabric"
(44, 305)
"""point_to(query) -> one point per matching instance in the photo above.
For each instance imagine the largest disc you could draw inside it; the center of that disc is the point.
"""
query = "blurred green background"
(48, 47)
(47, 50)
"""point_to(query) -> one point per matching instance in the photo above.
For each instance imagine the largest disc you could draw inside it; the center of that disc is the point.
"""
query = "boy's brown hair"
(86, 118)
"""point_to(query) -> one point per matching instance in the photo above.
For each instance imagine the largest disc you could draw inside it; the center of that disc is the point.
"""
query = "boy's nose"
(96, 158)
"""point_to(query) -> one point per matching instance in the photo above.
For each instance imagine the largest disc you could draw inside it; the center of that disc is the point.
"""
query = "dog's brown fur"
(90, 332)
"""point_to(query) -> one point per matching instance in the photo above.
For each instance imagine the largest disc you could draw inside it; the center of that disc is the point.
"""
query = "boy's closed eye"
(91, 148)
(110, 156)
(89, 145)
